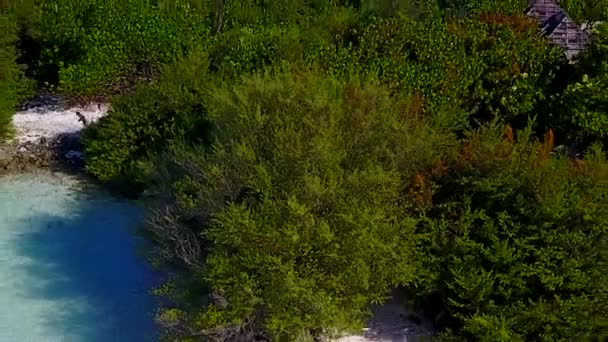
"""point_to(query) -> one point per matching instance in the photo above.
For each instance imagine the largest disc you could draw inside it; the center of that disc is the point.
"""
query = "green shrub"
(517, 243)
(90, 48)
(586, 10)
(588, 121)
(465, 71)
(149, 121)
(254, 13)
(8, 71)
(242, 51)
(49, 37)
(462, 8)
(131, 41)
(13, 86)
(584, 103)
(297, 206)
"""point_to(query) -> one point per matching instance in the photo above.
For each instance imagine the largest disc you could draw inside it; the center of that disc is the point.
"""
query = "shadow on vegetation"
(86, 262)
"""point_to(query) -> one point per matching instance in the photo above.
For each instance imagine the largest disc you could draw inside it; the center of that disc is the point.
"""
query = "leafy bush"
(297, 206)
(8, 71)
(91, 48)
(132, 40)
(252, 13)
(475, 70)
(586, 10)
(149, 121)
(517, 243)
(584, 113)
(13, 86)
(243, 51)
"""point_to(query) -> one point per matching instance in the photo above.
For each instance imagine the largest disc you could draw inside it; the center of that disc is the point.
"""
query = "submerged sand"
(69, 262)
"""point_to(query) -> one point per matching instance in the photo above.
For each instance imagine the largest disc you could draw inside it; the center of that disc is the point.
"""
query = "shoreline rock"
(56, 154)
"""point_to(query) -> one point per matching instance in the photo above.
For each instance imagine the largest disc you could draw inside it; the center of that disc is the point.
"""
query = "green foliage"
(586, 10)
(298, 203)
(89, 48)
(243, 51)
(464, 7)
(147, 122)
(13, 86)
(489, 65)
(254, 13)
(516, 248)
(584, 103)
(589, 100)
(8, 73)
(307, 161)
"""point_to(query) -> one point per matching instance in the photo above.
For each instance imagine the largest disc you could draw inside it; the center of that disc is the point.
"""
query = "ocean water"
(71, 267)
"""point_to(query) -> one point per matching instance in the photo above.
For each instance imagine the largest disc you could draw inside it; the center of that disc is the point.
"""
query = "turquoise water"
(70, 269)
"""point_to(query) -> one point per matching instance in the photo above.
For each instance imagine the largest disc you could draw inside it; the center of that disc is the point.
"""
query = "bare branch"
(178, 242)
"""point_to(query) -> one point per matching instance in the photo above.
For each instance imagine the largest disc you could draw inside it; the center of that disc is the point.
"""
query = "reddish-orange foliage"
(439, 169)
(508, 134)
(549, 139)
(547, 146)
(519, 23)
(465, 155)
(421, 192)
(579, 166)
(418, 180)
(416, 103)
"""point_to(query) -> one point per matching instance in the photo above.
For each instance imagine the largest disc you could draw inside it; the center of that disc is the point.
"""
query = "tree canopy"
(305, 158)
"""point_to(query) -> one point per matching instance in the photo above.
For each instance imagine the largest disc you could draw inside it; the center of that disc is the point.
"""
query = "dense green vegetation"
(516, 243)
(306, 220)
(7, 73)
(303, 158)
(13, 85)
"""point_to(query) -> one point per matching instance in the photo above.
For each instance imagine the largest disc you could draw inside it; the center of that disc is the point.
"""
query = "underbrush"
(516, 241)
(87, 48)
(585, 100)
(13, 86)
(8, 73)
(148, 122)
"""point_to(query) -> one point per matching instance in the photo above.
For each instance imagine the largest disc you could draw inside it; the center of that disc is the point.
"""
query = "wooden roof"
(558, 27)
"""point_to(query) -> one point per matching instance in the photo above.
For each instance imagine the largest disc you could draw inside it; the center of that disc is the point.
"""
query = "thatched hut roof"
(558, 27)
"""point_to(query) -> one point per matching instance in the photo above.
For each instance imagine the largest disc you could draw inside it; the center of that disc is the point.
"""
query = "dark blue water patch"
(69, 265)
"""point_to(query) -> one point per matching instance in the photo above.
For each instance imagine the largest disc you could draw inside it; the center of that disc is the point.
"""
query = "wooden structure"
(558, 27)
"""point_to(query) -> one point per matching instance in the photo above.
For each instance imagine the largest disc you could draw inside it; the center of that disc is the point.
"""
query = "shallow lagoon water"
(70, 269)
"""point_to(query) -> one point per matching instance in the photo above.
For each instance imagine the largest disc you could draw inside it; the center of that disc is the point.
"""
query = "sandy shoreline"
(47, 136)
(37, 123)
